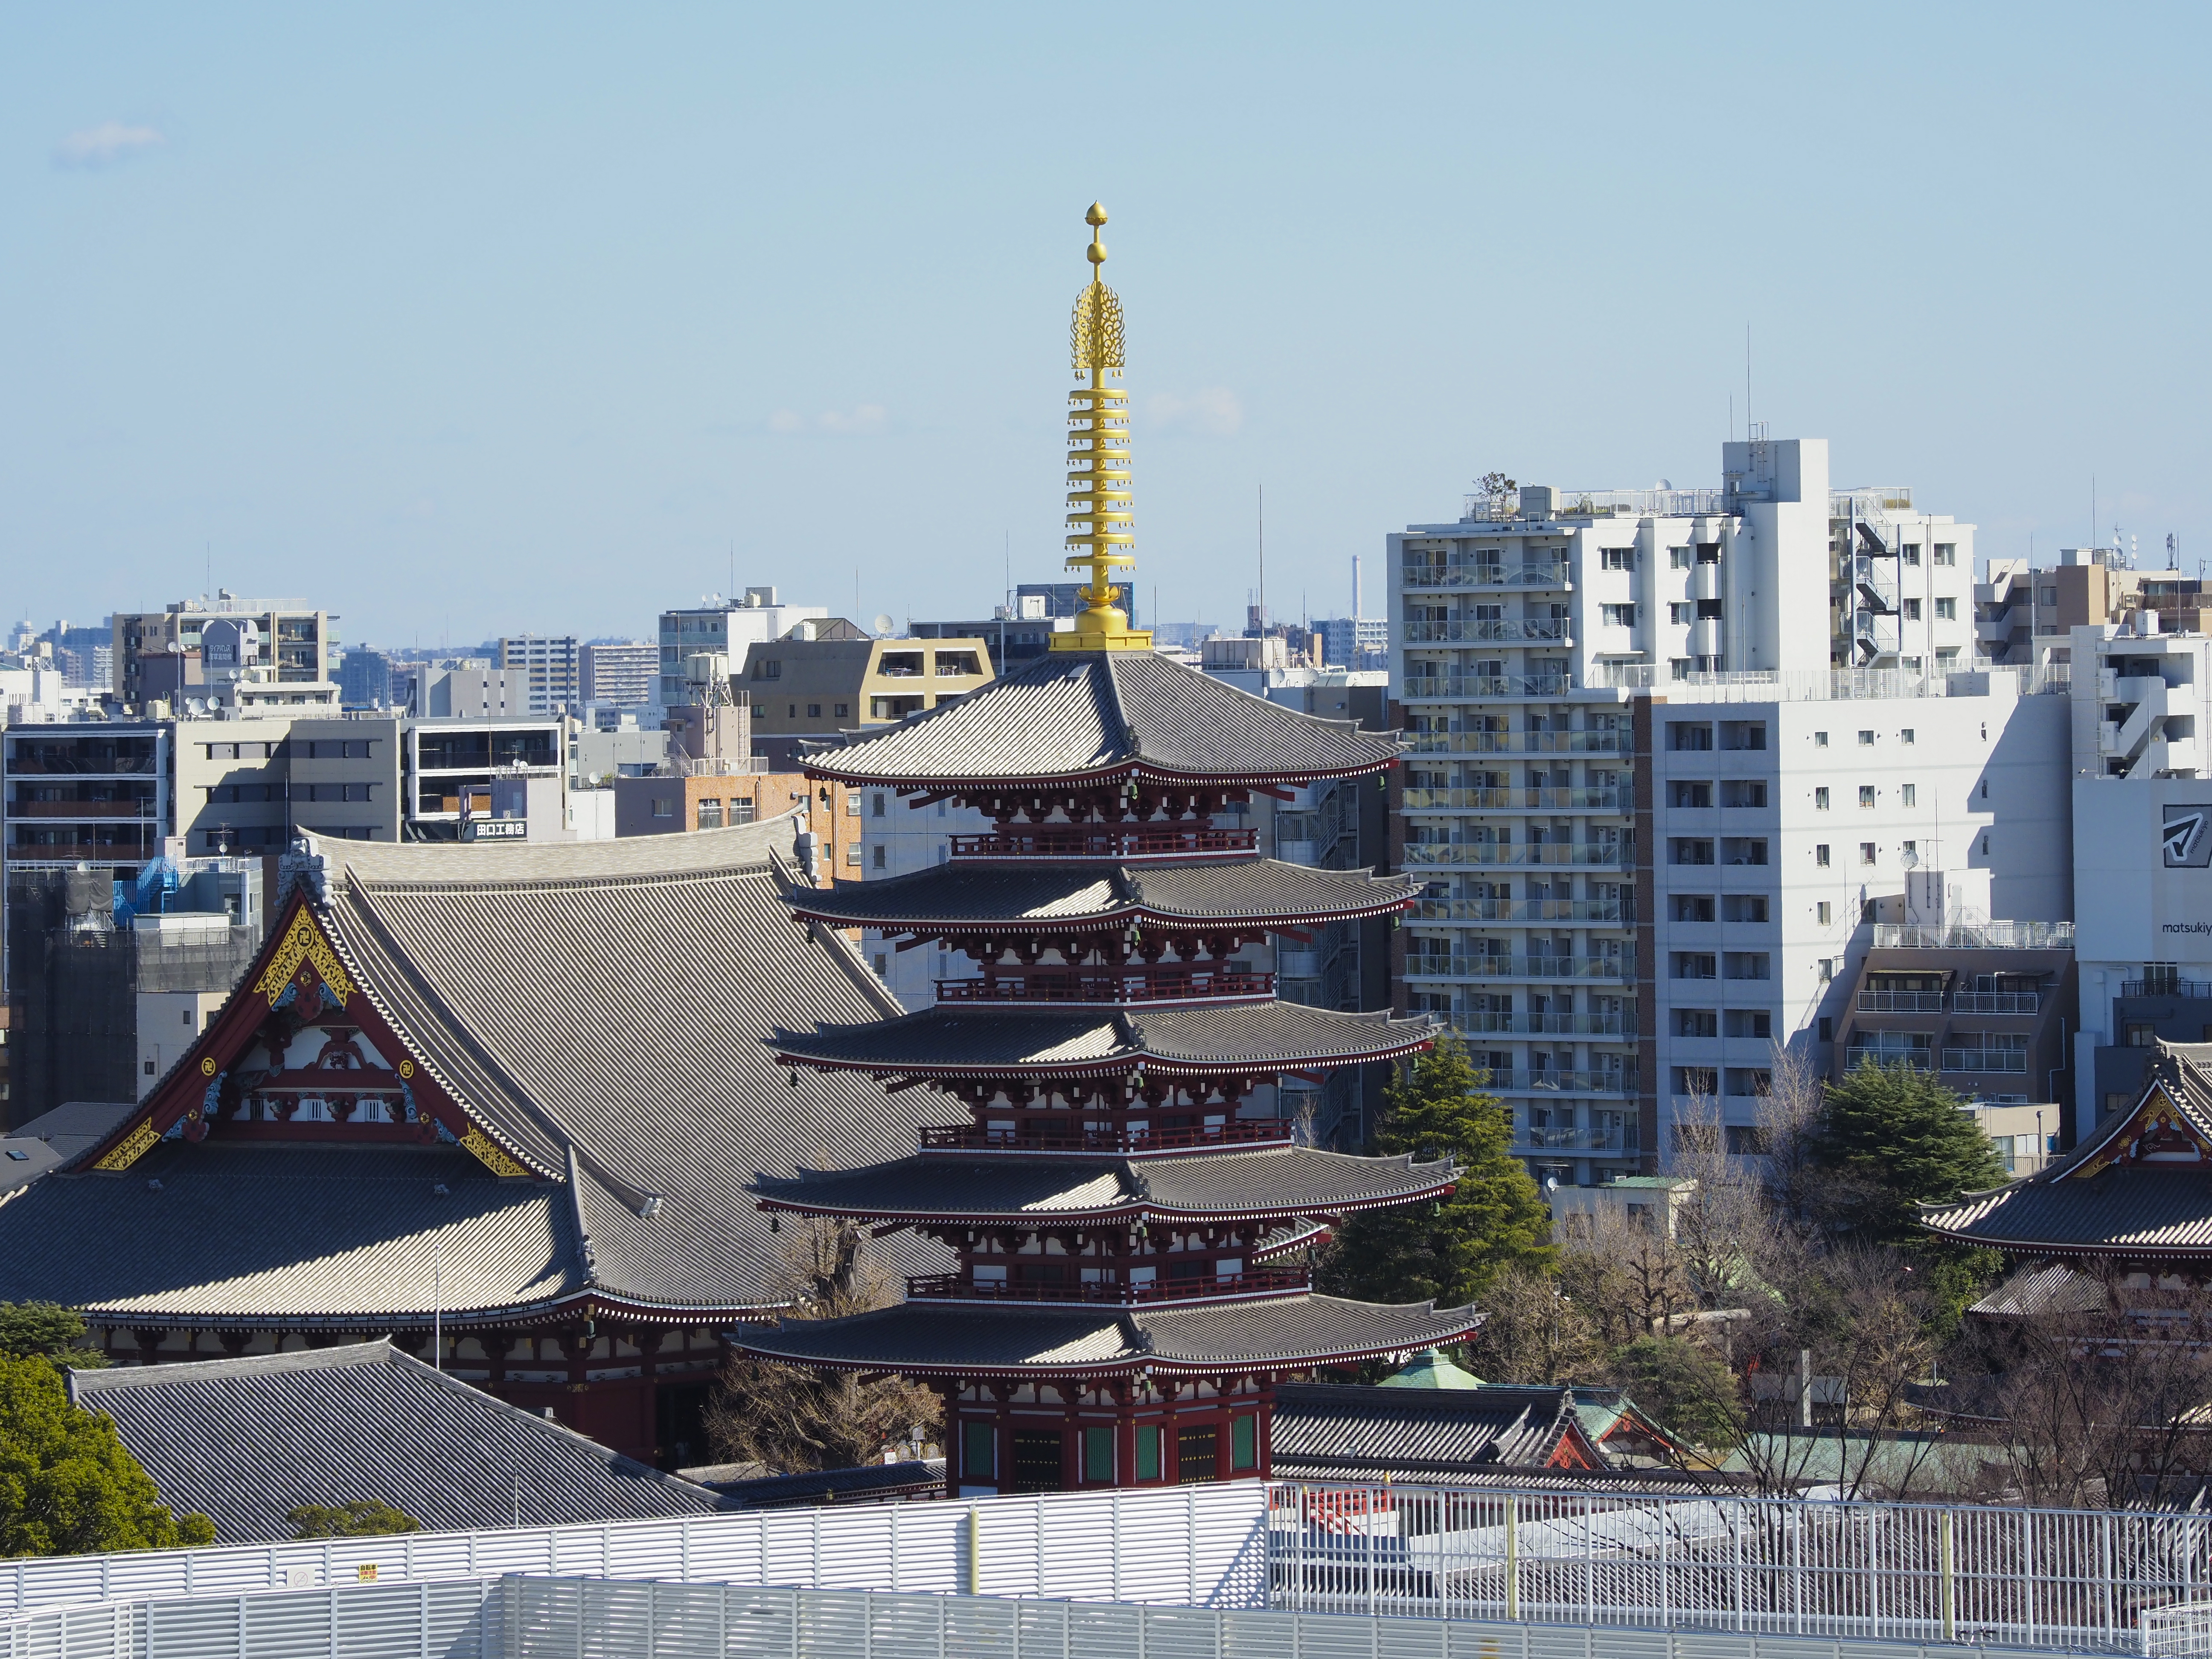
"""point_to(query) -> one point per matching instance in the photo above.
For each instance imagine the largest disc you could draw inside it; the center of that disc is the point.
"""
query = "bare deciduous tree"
(1534, 1331)
(788, 1419)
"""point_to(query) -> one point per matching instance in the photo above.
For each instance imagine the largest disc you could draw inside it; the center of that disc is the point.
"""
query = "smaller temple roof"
(1324, 1432)
(1089, 716)
(2135, 1186)
(952, 1338)
(1023, 896)
(1266, 1182)
(1429, 1369)
(1225, 1038)
(246, 1441)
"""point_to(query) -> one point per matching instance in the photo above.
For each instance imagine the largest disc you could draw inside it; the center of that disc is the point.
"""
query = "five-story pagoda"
(1131, 1280)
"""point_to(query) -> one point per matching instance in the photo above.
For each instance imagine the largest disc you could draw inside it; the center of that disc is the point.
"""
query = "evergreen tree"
(1893, 1139)
(364, 1517)
(50, 1330)
(67, 1485)
(1452, 1251)
(1687, 1389)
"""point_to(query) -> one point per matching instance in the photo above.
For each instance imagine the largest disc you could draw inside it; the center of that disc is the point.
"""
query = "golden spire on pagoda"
(1099, 521)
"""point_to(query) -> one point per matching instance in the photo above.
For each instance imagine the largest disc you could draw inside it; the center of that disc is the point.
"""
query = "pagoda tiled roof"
(1075, 716)
(1022, 896)
(1293, 1332)
(2135, 1186)
(595, 1009)
(1226, 1038)
(1262, 1182)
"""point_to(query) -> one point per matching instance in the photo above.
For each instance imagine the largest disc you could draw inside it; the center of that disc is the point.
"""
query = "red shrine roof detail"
(1097, 717)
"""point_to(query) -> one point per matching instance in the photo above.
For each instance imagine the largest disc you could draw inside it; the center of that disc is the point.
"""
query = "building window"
(741, 809)
(663, 808)
(1906, 736)
(1947, 609)
(1686, 850)
(1696, 1080)
(1911, 552)
(1678, 558)
(853, 855)
(844, 709)
(1679, 616)
(1820, 855)
(1866, 854)
(879, 855)
(1618, 558)
(1695, 965)
(710, 814)
(876, 806)
(1821, 912)
(1947, 553)
(1697, 1023)
(882, 961)
(1866, 740)
(1243, 1443)
(814, 711)
(852, 806)
(1911, 794)
(1689, 735)
(1821, 798)
(978, 1449)
(1684, 792)
(1748, 964)
(1678, 668)
(1743, 849)
(1866, 795)
(1755, 1081)
(2138, 1037)
(1985, 789)
(1820, 740)
(1618, 616)
(1743, 907)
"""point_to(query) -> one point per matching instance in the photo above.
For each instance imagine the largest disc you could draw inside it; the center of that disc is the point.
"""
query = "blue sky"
(466, 319)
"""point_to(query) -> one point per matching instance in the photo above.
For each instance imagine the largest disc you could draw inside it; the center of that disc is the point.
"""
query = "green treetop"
(1494, 1219)
(1895, 1139)
(67, 1485)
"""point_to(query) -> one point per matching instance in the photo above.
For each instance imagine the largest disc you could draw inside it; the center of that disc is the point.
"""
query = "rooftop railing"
(1974, 936)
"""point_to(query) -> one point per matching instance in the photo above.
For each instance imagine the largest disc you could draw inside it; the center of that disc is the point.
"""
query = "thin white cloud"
(861, 418)
(105, 144)
(1214, 410)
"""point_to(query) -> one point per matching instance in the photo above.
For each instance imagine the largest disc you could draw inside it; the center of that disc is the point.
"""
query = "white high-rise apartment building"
(550, 667)
(1676, 754)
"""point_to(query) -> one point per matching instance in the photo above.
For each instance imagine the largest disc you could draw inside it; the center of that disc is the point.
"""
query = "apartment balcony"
(83, 809)
(107, 766)
(1523, 743)
(1476, 631)
(1489, 855)
(1920, 1060)
(1996, 1002)
(2011, 1061)
(1611, 911)
(1567, 1137)
(2195, 990)
(1975, 936)
(1622, 1027)
(1484, 573)
(1516, 800)
(1510, 1082)
(1466, 687)
(1543, 970)
(1900, 1002)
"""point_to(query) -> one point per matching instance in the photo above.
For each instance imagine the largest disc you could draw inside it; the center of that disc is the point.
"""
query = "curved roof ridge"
(505, 864)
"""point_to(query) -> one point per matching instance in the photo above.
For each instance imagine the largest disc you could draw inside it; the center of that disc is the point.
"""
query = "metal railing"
(1483, 573)
(2196, 990)
(1553, 801)
(1984, 1059)
(1523, 743)
(2037, 1579)
(1546, 968)
(1599, 910)
(1488, 685)
(1258, 1282)
(967, 1138)
(1858, 1053)
(1571, 1083)
(1611, 1025)
(1996, 1002)
(1077, 840)
(1484, 631)
(1139, 984)
(1900, 1002)
(1975, 936)
(1610, 855)
(1568, 1137)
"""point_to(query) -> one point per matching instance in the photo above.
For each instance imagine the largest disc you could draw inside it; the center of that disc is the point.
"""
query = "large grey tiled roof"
(1352, 1433)
(245, 1441)
(1271, 1181)
(1018, 896)
(255, 1232)
(1291, 1333)
(599, 1010)
(1076, 715)
(972, 1039)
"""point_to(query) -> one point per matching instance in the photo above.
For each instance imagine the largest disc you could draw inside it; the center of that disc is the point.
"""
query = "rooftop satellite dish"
(1911, 860)
(883, 624)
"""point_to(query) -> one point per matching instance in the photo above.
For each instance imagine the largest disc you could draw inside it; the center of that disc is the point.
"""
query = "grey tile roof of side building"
(1271, 1181)
(969, 895)
(1291, 1333)
(1323, 1432)
(645, 1099)
(245, 1441)
(980, 1039)
(1073, 716)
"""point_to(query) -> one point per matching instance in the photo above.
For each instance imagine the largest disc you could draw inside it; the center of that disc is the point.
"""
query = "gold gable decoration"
(134, 1146)
(490, 1156)
(2159, 1133)
(304, 942)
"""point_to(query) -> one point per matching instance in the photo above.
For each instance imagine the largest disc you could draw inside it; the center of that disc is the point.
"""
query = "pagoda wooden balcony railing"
(1140, 985)
(969, 1138)
(1085, 841)
(1261, 1281)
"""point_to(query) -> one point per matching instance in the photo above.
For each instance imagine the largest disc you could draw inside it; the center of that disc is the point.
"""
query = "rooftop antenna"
(1263, 557)
(1746, 379)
